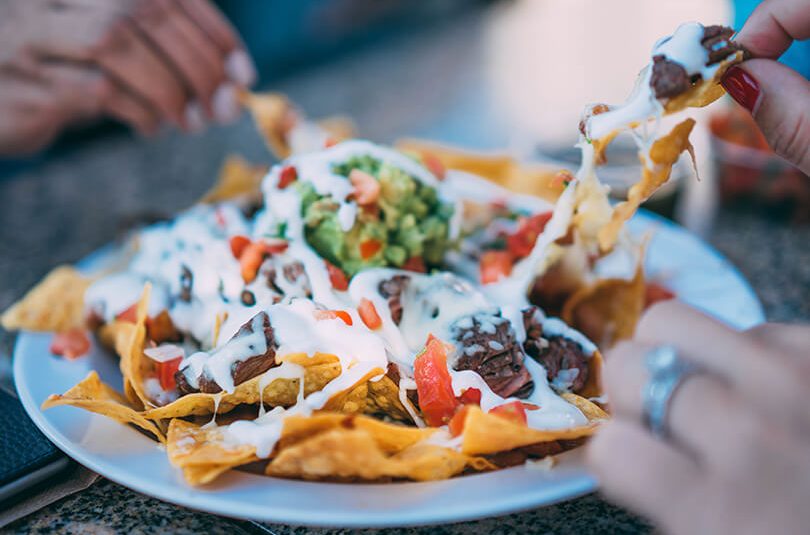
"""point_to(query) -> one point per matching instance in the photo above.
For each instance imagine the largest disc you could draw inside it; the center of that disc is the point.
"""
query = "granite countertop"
(73, 201)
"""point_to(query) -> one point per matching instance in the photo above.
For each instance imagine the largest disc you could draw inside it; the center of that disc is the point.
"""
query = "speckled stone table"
(75, 199)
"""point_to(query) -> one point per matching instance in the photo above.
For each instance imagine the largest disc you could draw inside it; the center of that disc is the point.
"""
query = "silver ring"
(667, 372)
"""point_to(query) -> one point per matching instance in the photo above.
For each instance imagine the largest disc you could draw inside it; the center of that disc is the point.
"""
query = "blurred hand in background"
(776, 95)
(142, 62)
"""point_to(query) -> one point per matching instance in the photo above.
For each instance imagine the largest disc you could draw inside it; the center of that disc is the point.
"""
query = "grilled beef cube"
(392, 289)
(242, 370)
(487, 345)
(565, 361)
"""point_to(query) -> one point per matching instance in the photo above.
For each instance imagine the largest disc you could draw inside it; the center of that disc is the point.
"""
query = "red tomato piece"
(369, 248)
(238, 244)
(415, 263)
(70, 344)
(495, 265)
(531, 406)
(288, 175)
(337, 277)
(166, 371)
(330, 142)
(471, 396)
(334, 314)
(251, 259)
(434, 165)
(275, 245)
(129, 315)
(366, 187)
(456, 423)
(434, 386)
(368, 313)
(512, 411)
(521, 243)
(655, 292)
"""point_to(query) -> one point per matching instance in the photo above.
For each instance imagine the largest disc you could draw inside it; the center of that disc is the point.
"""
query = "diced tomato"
(368, 248)
(368, 313)
(434, 164)
(495, 265)
(275, 245)
(130, 314)
(334, 314)
(251, 259)
(70, 344)
(531, 406)
(336, 276)
(471, 396)
(366, 187)
(415, 263)
(512, 411)
(562, 179)
(456, 423)
(521, 243)
(330, 142)
(165, 372)
(288, 175)
(238, 244)
(655, 292)
(434, 386)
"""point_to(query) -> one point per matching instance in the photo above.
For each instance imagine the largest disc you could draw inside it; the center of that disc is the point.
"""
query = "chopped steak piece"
(717, 41)
(295, 272)
(392, 290)
(487, 345)
(565, 362)
(669, 79)
(242, 370)
(186, 283)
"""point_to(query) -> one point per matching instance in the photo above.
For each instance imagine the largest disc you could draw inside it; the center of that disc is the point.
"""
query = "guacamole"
(408, 223)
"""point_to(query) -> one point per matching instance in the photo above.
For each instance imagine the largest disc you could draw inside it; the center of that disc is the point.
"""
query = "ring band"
(667, 372)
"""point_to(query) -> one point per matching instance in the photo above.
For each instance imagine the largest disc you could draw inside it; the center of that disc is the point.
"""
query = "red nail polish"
(742, 87)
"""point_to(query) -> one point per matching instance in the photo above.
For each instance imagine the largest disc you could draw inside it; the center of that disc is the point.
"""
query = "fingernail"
(195, 120)
(224, 104)
(239, 68)
(743, 88)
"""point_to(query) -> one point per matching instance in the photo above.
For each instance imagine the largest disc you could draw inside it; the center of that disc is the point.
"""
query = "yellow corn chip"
(707, 91)
(94, 396)
(607, 310)
(237, 178)
(55, 304)
(489, 433)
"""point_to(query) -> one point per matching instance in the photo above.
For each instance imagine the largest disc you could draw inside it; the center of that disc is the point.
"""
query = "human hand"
(143, 62)
(737, 459)
(777, 96)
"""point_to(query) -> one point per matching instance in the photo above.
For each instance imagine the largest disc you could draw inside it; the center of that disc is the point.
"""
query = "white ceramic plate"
(697, 273)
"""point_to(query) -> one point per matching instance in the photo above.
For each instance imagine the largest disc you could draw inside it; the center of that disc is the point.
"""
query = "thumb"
(779, 99)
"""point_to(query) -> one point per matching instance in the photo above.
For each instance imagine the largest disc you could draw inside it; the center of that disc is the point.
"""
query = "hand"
(143, 62)
(738, 460)
(777, 96)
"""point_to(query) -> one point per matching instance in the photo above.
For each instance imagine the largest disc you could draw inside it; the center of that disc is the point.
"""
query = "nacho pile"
(361, 313)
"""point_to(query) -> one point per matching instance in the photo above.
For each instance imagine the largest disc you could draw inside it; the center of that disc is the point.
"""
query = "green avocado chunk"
(409, 221)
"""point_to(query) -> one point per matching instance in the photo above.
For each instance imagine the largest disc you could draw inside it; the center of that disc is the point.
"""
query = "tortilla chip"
(705, 92)
(488, 433)
(237, 178)
(663, 155)
(354, 454)
(318, 371)
(56, 304)
(591, 410)
(275, 116)
(134, 364)
(607, 310)
(94, 396)
(383, 398)
(501, 169)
